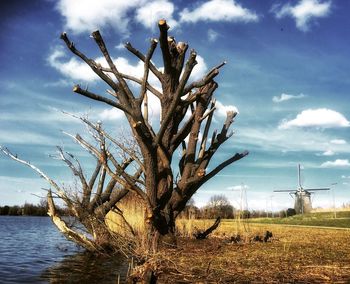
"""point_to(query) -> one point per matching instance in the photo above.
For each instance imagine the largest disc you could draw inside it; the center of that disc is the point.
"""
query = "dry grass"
(295, 255)
(133, 216)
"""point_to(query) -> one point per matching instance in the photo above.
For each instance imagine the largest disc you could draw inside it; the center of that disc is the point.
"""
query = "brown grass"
(294, 255)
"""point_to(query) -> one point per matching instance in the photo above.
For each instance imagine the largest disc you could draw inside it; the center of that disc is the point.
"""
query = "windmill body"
(302, 202)
(302, 196)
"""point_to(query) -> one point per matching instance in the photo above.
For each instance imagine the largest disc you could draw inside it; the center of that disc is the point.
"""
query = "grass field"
(325, 219)
(294, 254)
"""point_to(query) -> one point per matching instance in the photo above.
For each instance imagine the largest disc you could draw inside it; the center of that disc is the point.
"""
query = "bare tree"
(164, 196)
(163, 189)
(218, 200)
(218, 206)
(93, 197)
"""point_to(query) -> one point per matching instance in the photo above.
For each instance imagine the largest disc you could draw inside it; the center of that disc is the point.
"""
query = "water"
(33, 251)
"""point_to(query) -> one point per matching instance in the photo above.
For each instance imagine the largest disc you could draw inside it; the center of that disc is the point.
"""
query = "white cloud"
(219, 10)
(222, 109)
(328, 153)
(338, 141)
(111, 114)
(289, 140)
(325, 118)
(303, 12)
(212, 35)
(338, 163)
(78, 70)
(150, 13)
(88, 15)
(73, 69)
(154, 109)
(286, 97)
(199, 69)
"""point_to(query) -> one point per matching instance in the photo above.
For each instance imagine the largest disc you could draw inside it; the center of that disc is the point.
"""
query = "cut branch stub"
(164, 45)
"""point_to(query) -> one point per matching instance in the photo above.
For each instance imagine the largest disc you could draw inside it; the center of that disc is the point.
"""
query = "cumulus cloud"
(338, 163)
(149, 14)
(222, 109)
(273, 139)
(199, 69)
(219, 10)
(111, 114)
(325, 118)
(84, 16)
(73, 69)
(79, 71)
(286, 97)
(304, 12)
(88, 15)
(338, 141)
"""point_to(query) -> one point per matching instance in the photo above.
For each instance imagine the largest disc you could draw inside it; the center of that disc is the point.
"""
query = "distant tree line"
(28, 209)
(219, 206)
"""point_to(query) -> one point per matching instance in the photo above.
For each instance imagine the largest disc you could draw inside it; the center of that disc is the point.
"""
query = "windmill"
(302, 196)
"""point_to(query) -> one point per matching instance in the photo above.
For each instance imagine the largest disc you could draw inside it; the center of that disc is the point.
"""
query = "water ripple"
(33, 251)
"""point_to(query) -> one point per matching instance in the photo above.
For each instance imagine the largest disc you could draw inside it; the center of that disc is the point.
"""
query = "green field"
(323, 219)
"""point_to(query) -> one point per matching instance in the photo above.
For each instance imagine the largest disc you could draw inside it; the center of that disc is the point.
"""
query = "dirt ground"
(293, 255)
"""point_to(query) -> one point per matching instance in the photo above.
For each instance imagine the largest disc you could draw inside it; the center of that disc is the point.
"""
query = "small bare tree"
(92, 198)
(162, 189)
(218, 206)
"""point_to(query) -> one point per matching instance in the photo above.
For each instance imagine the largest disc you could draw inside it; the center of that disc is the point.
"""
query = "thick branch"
(203, 235)
(206, 130)
(163, 40)
(99, 189)
(201, 106)
(218, 140)
(149, 87)
(175, 101)
(149, 55)
(95, 97)
(220, 167)
(205, 80)
(138, 54)
(182, 133)
(94, 175)
(90, 62)
(99, 40)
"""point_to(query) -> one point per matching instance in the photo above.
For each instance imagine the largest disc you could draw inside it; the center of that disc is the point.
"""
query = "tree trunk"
(160, 230)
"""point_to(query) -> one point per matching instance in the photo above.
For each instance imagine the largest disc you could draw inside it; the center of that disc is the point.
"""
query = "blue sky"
(287, 74)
